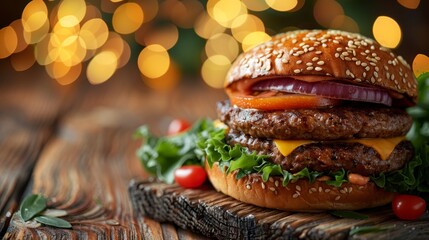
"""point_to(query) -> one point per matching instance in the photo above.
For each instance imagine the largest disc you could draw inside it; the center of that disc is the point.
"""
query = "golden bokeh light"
(167, 81)
(186, 12)
(94, 33)
(282, 5)
(119, 47)
(225, 11)
(150, 9)
(127, 18)
(214, 70)
(325, 11)
(19, 30)
(345, 23)
(205, 26)
(8, 41)
(420, 64)
(222, 44)
(253, 39)
(259, 5)
(71, 12)
(72, 51)
(101, 67)
(71, 76)
(411, 4)
(165, 35)
(34, 15)
(57, 70)
(153, 61)
(91, 12)
(387, 32)
(23, 60)
(45, 52)
(245, 24)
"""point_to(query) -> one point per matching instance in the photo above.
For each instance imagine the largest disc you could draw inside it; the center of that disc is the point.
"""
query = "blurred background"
(172, 42)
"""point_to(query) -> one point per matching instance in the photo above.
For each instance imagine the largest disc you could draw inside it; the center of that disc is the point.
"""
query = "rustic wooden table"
(74, 145)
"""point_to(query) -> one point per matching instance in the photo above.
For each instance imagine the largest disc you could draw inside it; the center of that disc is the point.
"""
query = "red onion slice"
(327, 89)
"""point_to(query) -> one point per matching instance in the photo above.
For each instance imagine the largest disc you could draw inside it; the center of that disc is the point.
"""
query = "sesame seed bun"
(323, 55)
(301, 195)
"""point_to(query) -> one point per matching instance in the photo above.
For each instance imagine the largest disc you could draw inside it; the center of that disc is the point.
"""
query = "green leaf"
(32, 205)
(339, 178)
(53, 221)
(367, 229)
(349, 214)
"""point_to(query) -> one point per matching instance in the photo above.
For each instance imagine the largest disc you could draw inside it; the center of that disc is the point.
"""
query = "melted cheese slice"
(384, 146)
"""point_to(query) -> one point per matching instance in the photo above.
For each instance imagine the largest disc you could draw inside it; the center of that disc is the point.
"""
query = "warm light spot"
(186, 12)
(119, 47)
(387, 32)
(57, 69)
(411, 4)
(37, 35)
(214, 70)
(72, 51)
(101, 67)
(127, 18)
(150, 9)
(253, 39)
(246, 24)
(282, 5)
(23, 60)
(115, 1)
(420, 64)
(325, 11)
(345, 23)
(94, 33)
(19, 30)
(71, 75)
(34, 16)
(167, 81)
(91, 12)
(225, 11)
(222, 44)
(165, 35)
(258, 5)
(205, 26)
(8, 41)
(71, 12)
(153, 61)
(44, 52)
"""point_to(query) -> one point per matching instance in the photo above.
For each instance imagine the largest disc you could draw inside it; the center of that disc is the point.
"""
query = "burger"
(313, 118)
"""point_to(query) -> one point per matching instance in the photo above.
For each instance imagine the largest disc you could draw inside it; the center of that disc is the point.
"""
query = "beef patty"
(327, 156)
(317, 124)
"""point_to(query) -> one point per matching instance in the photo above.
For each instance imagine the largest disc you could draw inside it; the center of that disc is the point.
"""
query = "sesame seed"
(309, 64)
(310, 68)
(339, 49)
(263, 185)
(284, 60)
(345, 53)
(248, 186)
(361, 187)
(272, 189)
(350, 189)
(324, 45)
(295, 195)
(373, 64)
(320, 62)
(318, 68)
(337, 198)
(315, 59)
(294, 41)
(310, 49)
(300, 52)
(298, 187)
(327, 190)
(364, 64)
(320, 189)
(367, 68)
(376, 69)
(298, 62)
(392, 77)
(336, 41)
(337, 55)
(358, 63)
(318, 52)
(358, 80)
(347, 59)
(296, 71)
(276, 183)
(388, 75)
(376, 74)
(313, 189)
(364, 74)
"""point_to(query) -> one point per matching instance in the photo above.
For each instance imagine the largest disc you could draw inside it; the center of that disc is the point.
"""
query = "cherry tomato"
(408, 207)
(288, 101)
(177, 126)
(191, 176)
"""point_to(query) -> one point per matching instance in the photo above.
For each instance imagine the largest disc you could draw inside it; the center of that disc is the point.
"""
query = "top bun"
(331, 53)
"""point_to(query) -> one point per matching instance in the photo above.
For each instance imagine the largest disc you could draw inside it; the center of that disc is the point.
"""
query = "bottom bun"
(300, 196)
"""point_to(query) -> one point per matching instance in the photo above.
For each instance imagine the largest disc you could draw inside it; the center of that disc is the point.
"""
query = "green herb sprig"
(33, 207)
(349, 214)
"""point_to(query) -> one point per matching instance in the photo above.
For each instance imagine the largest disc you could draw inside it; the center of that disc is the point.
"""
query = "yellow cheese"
(384, 146)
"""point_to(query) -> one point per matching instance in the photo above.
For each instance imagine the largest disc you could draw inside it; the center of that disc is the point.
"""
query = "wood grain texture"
(218, 216)
(75, 147)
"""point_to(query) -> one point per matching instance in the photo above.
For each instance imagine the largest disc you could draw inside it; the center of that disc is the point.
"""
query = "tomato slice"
(178, 126)
(279, 102)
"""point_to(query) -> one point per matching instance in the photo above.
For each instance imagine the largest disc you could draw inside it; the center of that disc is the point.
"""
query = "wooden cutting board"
(216, 215)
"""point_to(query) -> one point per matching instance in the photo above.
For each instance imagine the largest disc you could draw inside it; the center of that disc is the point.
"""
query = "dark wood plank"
(219, 216)
(85, 166)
